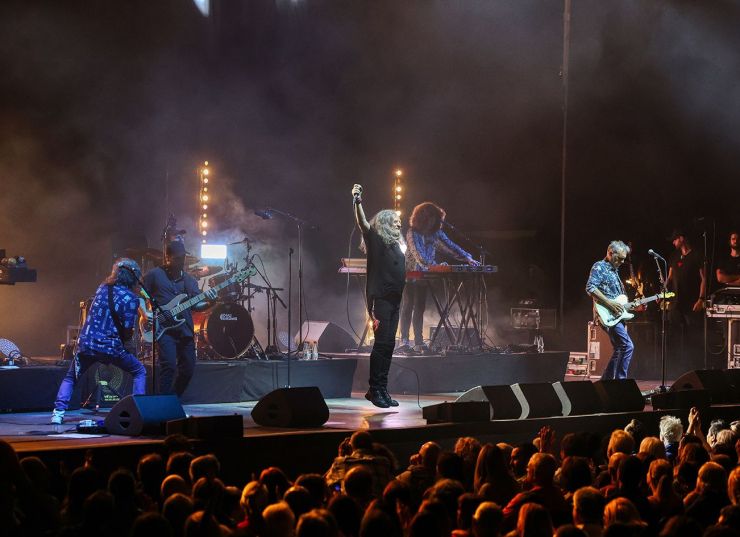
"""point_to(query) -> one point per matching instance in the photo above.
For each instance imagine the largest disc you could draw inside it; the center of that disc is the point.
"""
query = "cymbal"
(205, 271)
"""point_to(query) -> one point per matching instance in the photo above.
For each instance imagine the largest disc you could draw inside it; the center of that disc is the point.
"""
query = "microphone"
(264, 214)
(655, 254)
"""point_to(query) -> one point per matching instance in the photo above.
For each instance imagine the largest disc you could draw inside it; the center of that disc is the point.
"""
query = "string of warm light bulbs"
(204, 201)
(397, 190)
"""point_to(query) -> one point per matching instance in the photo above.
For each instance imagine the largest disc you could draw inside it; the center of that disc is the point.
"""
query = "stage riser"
(35, 387)
(459, 373)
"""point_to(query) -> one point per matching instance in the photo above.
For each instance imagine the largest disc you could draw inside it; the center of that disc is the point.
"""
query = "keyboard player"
(425, 241)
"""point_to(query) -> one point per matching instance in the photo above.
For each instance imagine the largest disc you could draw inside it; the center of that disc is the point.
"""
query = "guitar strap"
(114, 315)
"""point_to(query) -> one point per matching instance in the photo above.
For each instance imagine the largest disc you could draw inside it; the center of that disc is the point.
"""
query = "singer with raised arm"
(107, 335)
(386, 276)
(605, 288)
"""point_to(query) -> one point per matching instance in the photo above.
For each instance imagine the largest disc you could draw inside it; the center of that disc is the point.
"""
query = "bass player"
(604, 286)
(176, 346)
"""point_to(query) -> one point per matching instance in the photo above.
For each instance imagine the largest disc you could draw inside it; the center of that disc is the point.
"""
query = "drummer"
(176, 347)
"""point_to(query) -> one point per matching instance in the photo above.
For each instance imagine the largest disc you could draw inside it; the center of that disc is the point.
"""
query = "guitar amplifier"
(599, 349)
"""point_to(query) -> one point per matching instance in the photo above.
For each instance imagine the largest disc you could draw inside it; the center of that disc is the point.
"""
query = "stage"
(34, 387)
(308, 450)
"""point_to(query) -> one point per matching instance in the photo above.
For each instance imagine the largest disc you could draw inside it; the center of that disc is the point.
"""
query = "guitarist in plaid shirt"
(604, 286)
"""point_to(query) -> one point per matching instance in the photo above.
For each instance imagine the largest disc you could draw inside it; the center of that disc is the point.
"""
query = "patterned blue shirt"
(422, 249)
(99, 334)
(605, 278)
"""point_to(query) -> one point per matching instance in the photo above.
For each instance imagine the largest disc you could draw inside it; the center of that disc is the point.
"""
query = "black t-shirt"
(730, 266)
(386, 268)
(686, 278)
(164, 289)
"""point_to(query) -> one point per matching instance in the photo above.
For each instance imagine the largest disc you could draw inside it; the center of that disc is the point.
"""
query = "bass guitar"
(609, 318)
(168, 317)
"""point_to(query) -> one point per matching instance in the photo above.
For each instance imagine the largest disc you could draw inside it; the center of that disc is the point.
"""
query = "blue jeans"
(622, 355)
(128, 362)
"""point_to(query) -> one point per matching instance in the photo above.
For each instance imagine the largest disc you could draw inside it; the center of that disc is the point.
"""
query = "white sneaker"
(57, 417)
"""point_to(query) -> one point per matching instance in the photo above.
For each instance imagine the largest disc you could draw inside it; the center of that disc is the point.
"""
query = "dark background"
(107, 109)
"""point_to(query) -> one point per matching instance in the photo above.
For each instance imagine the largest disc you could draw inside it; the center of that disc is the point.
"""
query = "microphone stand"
(156, 310)
(663, 314)
(300, 223)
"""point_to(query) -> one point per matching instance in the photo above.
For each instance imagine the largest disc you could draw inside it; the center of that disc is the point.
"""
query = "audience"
(670, 485)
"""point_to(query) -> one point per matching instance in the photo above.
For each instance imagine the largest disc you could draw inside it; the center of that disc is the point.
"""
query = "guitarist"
(176, 346)
(604, 286)
(107, 336)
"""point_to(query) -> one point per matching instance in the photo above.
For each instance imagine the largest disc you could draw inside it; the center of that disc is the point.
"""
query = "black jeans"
(176, 359)
(385, 311)
(413, 305)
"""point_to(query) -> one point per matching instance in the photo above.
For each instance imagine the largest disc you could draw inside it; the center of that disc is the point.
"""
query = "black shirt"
(730, 266)
(386, 268)
(686, 278)
(164, 289)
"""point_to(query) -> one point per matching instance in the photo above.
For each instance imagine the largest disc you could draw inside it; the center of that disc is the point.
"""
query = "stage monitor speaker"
(538, 400)
(504, 404)
(208, 427)
(143, 414)
(620, 395)
(683, 399)
(578, 398)
(470, 411)
(291, 407)
(330, 337)
(714, 381)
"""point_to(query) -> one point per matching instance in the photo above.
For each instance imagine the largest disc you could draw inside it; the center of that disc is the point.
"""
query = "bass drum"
(226, 330)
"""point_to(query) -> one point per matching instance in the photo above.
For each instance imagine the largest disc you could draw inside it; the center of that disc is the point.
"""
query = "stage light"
(398, 196)
(205, 171)
(205, 189)
(205, 180)
(398, 213)
(205, 197)
(205, 163)
(205, 207)
(205, 215)
(213, 251)
(399, 173)
(398, 188)
(204, 233)
(204, 224)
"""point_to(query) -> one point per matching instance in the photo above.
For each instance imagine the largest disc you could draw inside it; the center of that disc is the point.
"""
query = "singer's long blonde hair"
(382, 223)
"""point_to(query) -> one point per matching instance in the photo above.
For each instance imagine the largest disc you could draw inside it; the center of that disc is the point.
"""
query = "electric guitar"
(168, 317)
(608, 318)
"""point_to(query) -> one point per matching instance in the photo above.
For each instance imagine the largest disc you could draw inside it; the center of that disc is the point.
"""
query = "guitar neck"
(182, 306)
(647, 299)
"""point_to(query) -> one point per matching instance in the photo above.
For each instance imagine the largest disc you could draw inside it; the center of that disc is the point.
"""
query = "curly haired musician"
(176, 346)
(604, 286)
(107, 334)
(386, 277)
(425, 239)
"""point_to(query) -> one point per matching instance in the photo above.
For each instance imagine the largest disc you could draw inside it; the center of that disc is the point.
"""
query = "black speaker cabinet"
(291, 407)
(538, 399)
(715, 381)
(620, 395)
(206, 427)
(446, 412)
(143, 414)
(578, 398)
(504, 404)
(329, 336)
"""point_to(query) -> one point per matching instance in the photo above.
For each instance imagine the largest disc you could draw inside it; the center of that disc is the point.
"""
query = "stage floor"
(31, 431)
